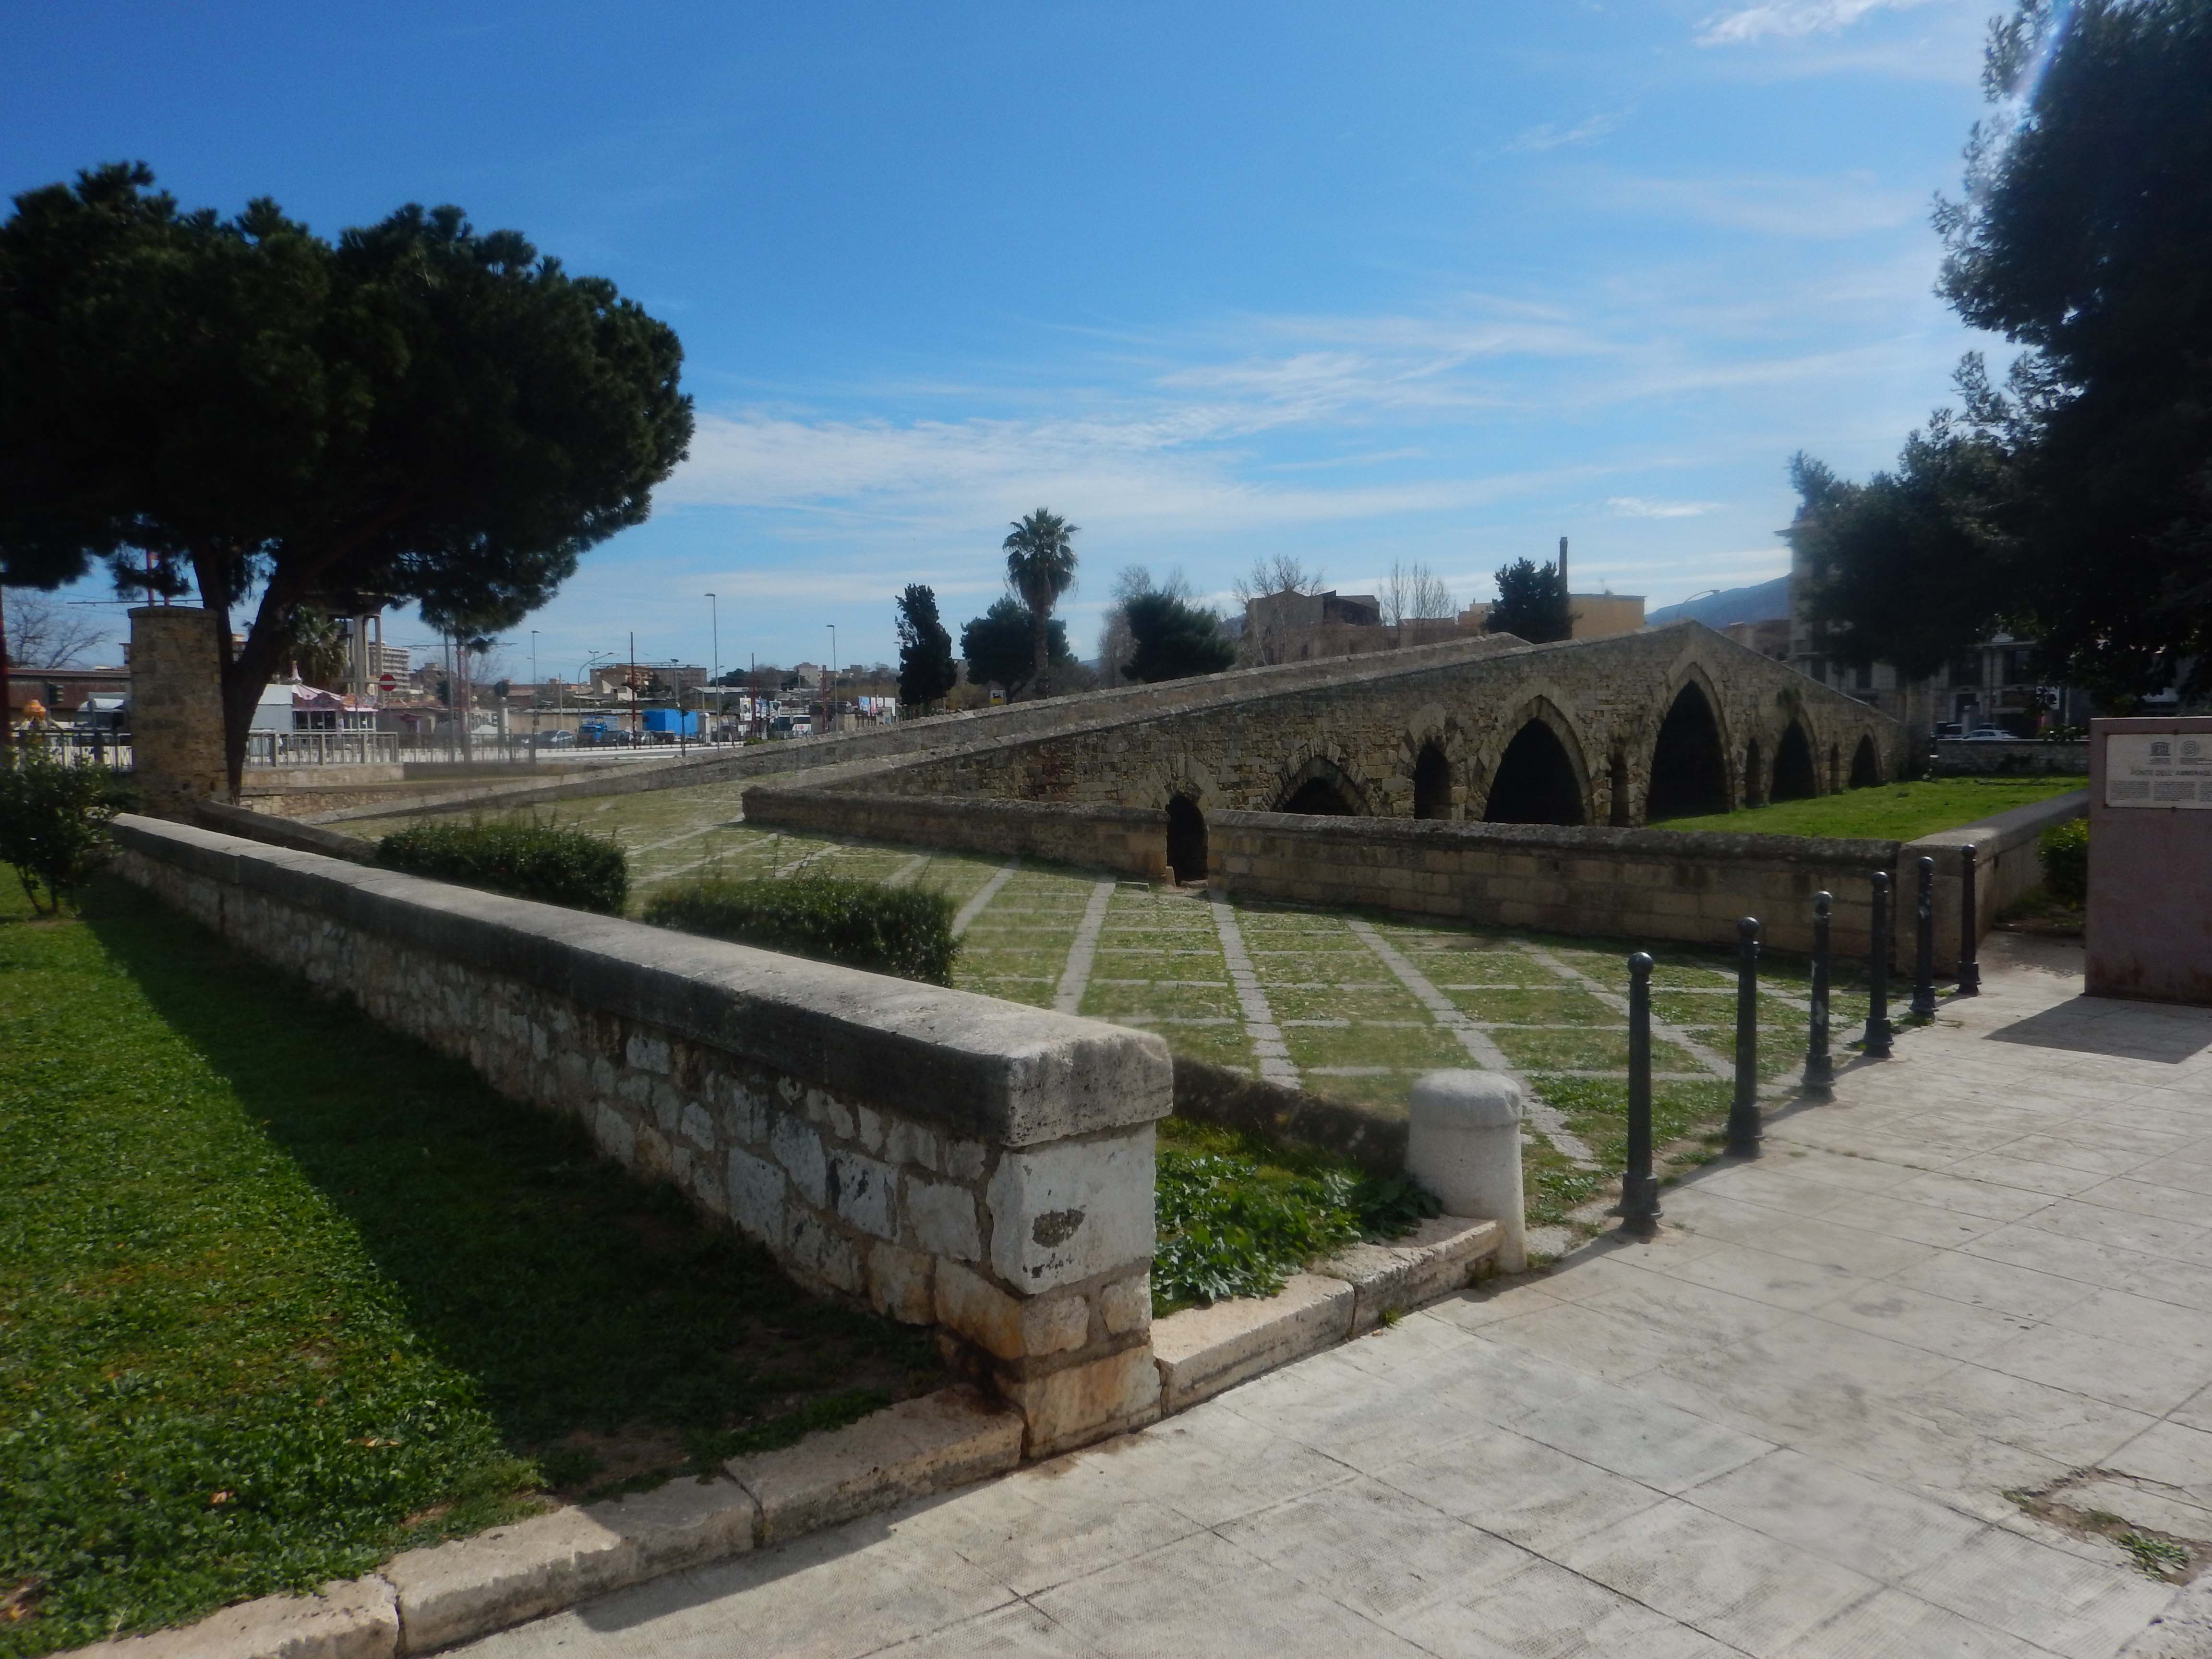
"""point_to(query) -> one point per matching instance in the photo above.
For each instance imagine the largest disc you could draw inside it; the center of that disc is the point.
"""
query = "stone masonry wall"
(952, 1159)
(176, 707)
(1620, 884)
(1099, 838)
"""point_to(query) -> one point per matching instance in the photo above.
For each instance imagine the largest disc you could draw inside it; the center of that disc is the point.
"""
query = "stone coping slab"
(428, 1599)
(993, 1070)
(1200, 1352)
(1437, 1258)
(347, 1618)
(907, 1451)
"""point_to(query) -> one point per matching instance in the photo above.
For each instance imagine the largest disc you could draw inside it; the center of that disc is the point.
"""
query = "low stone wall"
(2008, 859)
(1130, 839)
(1206, 1093)
(953, 1160)
(1956, 758)
(1622, 884)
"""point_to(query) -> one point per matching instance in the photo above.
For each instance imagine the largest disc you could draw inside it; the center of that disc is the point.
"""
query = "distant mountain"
(1731, 604)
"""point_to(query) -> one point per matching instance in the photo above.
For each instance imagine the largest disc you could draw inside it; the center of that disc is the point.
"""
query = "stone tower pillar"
(176, 709)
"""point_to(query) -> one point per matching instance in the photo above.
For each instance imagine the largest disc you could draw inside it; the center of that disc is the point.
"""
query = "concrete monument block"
(1464, 1143)
(2150, 859)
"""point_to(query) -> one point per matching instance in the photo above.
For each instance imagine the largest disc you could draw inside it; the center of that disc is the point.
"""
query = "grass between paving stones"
(282, 1293)
(1885, 811)
(1236, 1215)
(1350, 1029)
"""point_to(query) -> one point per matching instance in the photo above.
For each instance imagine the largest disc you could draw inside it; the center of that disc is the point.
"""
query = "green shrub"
(906, 931)
(2065, 848)
(54, 819)
(518, 857)
(1234, 1216)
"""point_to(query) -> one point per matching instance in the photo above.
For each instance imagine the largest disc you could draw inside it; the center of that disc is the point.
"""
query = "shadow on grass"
(610, 1330)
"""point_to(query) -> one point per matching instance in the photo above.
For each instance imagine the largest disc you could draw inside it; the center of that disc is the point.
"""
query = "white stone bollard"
(1464, 1143)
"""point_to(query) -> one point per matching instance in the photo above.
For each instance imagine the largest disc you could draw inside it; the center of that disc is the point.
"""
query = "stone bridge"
(1670, 723)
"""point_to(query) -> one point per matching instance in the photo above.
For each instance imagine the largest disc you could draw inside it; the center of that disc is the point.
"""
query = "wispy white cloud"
(1791, 19)
(1640, 507)
(1553, 135)
(1820, 208)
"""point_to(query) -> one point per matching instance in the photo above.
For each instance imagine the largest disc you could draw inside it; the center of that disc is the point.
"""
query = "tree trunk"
(243, 677)
(1041, 647)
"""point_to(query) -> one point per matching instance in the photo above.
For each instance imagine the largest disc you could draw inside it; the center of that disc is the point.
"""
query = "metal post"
(1819, 1068)
(1876, 1043)
(1923, 953)
(1639, 1188)
(1744, 1132)
(1969, 925)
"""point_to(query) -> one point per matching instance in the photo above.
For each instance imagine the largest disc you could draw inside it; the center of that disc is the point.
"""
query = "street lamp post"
(832, 687)
(537, 691)
(714, 678)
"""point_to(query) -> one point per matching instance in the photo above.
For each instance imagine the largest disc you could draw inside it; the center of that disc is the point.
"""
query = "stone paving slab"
(1786, 1426)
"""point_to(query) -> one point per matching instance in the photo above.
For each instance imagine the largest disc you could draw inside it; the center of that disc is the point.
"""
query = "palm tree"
(1040, 567)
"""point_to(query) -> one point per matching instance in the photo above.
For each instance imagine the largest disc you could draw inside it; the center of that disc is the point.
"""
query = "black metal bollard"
(1923, 951)
(1819, 1068)
(1969, 971)
(1875, 1045)
(1639, 1188)
(1744, 1131)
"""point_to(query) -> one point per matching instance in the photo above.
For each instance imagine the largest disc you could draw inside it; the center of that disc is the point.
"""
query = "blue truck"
(674, 723)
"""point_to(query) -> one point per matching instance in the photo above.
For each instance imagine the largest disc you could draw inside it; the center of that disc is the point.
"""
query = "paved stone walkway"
(1788, 1426)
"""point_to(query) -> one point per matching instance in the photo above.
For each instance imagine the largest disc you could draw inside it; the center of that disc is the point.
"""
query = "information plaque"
(2159, 770)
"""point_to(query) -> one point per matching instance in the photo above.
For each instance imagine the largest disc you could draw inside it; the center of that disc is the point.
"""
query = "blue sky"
(1363, 283)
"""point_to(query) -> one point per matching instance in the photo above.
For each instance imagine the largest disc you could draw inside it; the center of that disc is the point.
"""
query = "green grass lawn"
(1887, 812)
(282, 1293)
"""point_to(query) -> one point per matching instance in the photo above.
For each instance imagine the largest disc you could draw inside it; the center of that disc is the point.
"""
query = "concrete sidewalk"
(1787, 1426)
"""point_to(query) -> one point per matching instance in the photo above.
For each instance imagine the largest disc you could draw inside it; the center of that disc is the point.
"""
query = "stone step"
(1202, 1351)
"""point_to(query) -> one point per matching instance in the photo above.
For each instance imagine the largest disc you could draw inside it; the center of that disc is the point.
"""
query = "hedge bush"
(54, 819)
(2065, 848)
(906, 931)
(520, 857)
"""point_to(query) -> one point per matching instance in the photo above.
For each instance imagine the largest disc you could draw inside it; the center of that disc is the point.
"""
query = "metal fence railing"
(321, 748)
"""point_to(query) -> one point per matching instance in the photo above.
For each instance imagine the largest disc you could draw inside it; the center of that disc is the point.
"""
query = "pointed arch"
(1318, 786)
(1619, 812)
(1866, 764)
(1689, 760)
(1537, 781)
(1794, 776)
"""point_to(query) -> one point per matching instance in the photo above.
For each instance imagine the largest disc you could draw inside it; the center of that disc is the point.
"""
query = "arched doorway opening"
(1866, 765)
(1186, 840)
(1835, 767)
(1616, 786)
(1689, 769)
(1754, 776)
(1794, 777)
(1536, 781)
(1432, 782)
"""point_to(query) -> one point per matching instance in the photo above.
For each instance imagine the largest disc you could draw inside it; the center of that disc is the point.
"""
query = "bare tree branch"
(44, 632)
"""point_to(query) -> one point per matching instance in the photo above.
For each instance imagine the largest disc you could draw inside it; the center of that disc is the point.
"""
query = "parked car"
(1950, 729)
(555, 740)
(1991, 734)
